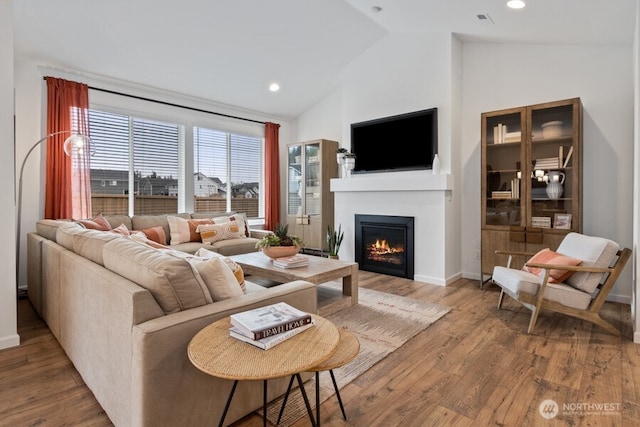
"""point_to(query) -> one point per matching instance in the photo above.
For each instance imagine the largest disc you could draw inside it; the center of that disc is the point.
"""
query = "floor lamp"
(76, 142)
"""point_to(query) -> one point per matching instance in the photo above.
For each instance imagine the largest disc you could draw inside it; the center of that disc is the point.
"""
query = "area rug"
(382, 323)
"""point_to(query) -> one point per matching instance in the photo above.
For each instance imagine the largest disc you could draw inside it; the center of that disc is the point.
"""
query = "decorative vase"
(340, 158)
(554, 184)
(349, 164)
(435, 168)
(333, 257)
(274, 252)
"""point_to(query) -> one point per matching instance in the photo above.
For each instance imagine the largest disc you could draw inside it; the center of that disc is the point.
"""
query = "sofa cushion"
(547, 256)
(116, 220)
(48, 228)
(211, 233)
(171, 280)
(90, 243)
(594, 252)
(234, 246)
(516, 281)
(65, 233)
(185, 230)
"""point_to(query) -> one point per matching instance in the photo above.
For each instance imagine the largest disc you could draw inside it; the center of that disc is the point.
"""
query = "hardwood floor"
(475, 367)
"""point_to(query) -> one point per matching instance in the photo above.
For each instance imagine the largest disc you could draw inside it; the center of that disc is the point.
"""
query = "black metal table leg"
(306, 400)
(335, 387)
(284, 402)
(317, 398)
(264, 403)
(226, 406)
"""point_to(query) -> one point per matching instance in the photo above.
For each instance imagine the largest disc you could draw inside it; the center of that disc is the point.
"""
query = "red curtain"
(68, 185)
(272, 175)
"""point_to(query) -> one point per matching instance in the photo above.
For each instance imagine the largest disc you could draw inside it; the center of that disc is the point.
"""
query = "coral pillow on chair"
(547, 256)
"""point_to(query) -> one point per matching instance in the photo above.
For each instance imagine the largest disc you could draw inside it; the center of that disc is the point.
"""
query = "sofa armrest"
(259, 234)
(162, 369)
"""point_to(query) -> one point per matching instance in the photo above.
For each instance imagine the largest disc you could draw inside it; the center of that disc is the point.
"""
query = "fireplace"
(384, 244)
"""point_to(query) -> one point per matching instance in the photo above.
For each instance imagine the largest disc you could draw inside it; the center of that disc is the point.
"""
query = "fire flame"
(382, 247)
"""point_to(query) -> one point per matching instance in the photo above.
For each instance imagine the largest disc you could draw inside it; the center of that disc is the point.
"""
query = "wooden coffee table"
(215, 352)
(320, 270)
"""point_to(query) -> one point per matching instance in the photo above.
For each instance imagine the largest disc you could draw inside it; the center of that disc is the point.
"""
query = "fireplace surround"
(385, 244)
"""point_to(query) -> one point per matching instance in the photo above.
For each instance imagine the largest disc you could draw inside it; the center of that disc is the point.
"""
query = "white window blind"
(139, 158)
(235, 163)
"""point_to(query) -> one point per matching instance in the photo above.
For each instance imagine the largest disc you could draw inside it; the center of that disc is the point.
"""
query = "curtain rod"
(170, 104)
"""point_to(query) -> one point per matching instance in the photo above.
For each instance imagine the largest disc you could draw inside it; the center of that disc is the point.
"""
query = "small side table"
(348, 348)
(216, 353)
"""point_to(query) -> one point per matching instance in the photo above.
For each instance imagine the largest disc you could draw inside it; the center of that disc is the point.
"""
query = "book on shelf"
(270, 341)
(501, 194)
(566, 161)
(515, 188)
(512, 136)
(291, 261)
(547, 163)
(270, 320)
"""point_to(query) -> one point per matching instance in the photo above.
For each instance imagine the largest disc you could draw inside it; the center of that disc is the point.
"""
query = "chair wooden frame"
(536, 302)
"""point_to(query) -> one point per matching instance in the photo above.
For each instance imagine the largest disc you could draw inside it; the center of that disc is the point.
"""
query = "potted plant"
(334, 240)
(280, 243)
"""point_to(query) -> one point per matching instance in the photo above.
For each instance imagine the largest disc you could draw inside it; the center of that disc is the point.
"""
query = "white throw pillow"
(211, 233)
(217, 277)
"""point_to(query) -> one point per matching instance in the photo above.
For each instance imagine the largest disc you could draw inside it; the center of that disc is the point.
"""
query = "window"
(139, 160)
(231, 166)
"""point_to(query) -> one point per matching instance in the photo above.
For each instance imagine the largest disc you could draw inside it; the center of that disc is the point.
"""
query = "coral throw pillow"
(547, 256)
(156, 234)
(98, 222)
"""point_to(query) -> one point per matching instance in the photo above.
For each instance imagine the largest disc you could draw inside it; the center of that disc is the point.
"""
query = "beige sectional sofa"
(127, 338)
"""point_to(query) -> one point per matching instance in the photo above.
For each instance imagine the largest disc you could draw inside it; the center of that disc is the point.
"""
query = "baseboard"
(437, 281)
(623, 299)
(636, 337)
(9, 341)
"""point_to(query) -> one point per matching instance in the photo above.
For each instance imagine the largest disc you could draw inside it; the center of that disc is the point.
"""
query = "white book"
(269, 320)
(271, 341)
(566, 161)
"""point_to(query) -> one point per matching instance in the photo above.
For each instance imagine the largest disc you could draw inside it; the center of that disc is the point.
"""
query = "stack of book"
(291, 261)
(548, 163)
(266, 327)
(501, 136)
(501, 194)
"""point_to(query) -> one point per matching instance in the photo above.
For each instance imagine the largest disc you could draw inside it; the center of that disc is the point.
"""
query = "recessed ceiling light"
(516, 4)
(274, 87)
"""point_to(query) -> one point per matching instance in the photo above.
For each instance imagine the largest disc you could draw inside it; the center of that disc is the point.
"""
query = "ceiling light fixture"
(274, 87)
(376, 9)
(516, 4)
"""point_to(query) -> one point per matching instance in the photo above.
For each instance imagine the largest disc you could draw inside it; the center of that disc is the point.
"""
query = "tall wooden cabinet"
(531, 178)
(310, 166)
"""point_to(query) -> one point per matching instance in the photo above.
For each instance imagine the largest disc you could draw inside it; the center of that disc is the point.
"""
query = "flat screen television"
(402, 142)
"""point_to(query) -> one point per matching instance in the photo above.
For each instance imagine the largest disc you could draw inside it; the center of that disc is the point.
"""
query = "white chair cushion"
(593, 251)
(516, 281)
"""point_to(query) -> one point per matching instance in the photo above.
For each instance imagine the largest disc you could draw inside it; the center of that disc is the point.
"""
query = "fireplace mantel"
(383, 182)
(418, 194)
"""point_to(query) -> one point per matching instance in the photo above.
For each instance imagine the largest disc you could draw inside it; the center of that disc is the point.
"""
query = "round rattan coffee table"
(216, 353)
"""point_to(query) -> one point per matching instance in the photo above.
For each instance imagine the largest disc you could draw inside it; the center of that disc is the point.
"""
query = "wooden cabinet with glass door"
(310, 166)
(531, 178)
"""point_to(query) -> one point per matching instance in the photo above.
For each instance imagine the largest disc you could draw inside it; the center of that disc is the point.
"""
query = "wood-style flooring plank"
(476, 366)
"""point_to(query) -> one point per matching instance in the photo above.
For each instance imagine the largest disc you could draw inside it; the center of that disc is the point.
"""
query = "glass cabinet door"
(504, 171)
(552, 155)
(313, 179)
(294, 180)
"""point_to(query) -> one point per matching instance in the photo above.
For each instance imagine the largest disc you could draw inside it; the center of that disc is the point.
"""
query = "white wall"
(635, 304)
(499, 76)
(8, 320)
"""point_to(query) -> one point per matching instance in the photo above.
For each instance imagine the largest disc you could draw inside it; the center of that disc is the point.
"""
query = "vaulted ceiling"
(230, 51)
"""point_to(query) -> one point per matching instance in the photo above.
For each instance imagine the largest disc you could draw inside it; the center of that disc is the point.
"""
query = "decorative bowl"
(552, 129)
(274, 252)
